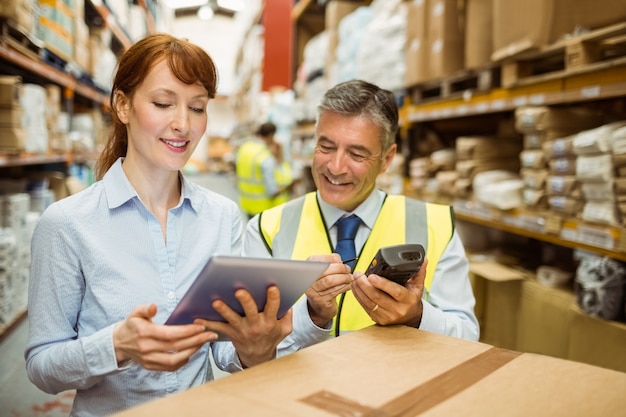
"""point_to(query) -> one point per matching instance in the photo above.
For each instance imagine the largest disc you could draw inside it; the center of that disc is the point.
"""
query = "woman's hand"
(157, 347)
(322, 295)
(256, 334)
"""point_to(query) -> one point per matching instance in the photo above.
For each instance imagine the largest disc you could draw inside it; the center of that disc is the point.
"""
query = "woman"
(110, 263)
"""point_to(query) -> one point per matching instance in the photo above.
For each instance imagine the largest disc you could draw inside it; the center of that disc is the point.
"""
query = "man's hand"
(255, 335)
(322, 295)
(387, 302)
(157, 347)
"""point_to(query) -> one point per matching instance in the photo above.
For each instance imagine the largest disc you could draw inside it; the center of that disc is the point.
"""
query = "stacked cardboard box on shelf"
(548, 162)
(618, 148)
(12, 132)
(57, 121)
(19, 12)
(522, 25)
(488, 156)
(478, 33)
(81, 52)
(55, 27)
(435, 40)
(445, 37)
(596, 173)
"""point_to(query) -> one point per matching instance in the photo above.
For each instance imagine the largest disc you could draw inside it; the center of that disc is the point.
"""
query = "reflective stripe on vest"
(296, 230)
(252, 194)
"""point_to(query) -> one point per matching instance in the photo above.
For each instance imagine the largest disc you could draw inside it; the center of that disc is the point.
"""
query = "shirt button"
(171, 295)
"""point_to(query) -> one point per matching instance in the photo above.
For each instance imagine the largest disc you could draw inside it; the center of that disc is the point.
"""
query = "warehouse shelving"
(51, 74)
(34, 69)
(584, 85)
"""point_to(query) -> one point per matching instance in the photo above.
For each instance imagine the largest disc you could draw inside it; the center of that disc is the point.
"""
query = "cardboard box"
(445, 38)
(596, 341)
(497, 291)
(21, 12)
(416, 52)
(12, 117)
(486, 147)
(478, 33)
(470, 167)
(11, 90)
(401, 371)
(520, 25)
(337, 10)
(545, 319)
(12, 139)
(566, 120)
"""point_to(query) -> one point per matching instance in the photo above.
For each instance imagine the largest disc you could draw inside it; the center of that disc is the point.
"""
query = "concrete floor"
(20, 398)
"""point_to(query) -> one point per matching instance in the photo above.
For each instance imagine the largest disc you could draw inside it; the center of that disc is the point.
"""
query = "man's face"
(348, 158)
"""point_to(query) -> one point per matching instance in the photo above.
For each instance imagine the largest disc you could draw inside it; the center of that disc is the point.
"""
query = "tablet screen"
(223, 275)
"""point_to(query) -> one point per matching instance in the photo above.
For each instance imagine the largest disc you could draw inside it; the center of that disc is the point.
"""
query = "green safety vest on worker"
(296, 230)
(253, 196)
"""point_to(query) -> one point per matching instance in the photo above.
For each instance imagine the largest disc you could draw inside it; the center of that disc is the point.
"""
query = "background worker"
(264, 180)
(356, 128)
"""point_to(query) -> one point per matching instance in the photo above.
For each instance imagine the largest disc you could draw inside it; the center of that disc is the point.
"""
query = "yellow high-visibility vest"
(284, 177)
(253, 196)
(296, 230)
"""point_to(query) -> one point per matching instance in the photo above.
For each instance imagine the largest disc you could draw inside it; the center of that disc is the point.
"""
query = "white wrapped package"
(315, 53)
(500, 189)
(33, 101)
(599, 191)
(601, 212)
(351, 29)
(594, 167)
(380, 58)
(618, 140)
(595, 141)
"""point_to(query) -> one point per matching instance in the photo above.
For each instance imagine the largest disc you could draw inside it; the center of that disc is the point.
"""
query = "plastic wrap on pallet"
(8, 250)
(600, 286)
(380, 58)
(351, 30)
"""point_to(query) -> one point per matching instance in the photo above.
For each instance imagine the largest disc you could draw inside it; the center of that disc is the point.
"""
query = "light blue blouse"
(95, 256)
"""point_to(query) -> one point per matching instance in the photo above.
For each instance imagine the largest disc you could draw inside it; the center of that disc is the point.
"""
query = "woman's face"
(348, 158)
(165, 120)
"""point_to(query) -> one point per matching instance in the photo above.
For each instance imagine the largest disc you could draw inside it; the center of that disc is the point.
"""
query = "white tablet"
(223, 275)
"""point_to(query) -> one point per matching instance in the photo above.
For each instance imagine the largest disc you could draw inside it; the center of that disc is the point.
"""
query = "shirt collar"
(368, 210)
(117, 187)
(119, 190)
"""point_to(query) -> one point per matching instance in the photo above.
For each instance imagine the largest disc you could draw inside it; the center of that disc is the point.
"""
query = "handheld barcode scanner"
(397, 263)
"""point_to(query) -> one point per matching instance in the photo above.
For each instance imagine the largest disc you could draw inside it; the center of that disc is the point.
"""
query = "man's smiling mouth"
(334, 182)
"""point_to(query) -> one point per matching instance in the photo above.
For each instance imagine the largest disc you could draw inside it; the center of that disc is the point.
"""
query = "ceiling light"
(183, 4)
(234, 5)
(205, 12)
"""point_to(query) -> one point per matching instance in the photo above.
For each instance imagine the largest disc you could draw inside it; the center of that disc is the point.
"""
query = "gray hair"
(362, 99)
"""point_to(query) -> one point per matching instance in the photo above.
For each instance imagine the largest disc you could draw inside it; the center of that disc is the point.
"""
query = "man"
(356, 128)
(261, 180)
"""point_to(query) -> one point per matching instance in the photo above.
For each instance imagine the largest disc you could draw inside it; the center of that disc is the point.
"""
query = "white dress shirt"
(449, 309)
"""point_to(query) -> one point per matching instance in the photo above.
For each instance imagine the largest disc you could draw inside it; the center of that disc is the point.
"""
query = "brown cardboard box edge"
(401, 371)
(497, 292)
